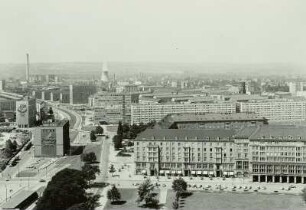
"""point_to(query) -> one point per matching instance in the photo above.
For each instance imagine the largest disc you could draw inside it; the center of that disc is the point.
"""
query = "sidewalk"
(103, 198)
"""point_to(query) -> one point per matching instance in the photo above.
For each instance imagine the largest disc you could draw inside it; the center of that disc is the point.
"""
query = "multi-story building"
(185, 152)
(144, 113)
(2, 85)
(7, 104)
(232, 121)
(267, 153)
(52, 139)
(79, 93)
(112, 107)
(26, 112)
(278, 154)
(276, 110)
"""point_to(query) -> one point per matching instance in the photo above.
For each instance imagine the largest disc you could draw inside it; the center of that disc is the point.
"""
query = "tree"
(145, 193)
(117, 142)
(90, 204)
(15, 145)
(50, 111)
(179, 185)
(120, 129)
(90, 172)
(93, 136)
(113, 194)
(175, 204)
(99, 130)
(66, 188)
(304, 194)
(89, 157)
(112, 169)
(12, 146)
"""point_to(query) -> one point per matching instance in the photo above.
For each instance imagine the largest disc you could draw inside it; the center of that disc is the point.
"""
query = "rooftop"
(186, 117)
(169, 120)
(57, 123)
(280, 132)
(174, 134)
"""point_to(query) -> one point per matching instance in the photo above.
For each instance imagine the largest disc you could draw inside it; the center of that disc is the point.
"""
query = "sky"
(192, 31)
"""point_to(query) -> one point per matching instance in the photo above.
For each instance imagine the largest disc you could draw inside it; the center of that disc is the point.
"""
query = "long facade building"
(234, 121)
(112, 107)
(266, 153)
(277, 110)
(155, 112)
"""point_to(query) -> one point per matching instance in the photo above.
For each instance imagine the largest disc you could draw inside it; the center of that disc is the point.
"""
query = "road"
(104, 160)
(25, 156)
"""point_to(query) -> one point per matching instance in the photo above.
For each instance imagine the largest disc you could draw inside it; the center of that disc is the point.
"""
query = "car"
(42, 180)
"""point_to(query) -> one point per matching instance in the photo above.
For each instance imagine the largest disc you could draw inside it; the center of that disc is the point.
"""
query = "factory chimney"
(28, 68)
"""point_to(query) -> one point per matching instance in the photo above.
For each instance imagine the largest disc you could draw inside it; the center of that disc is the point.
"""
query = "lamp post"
(5, 193)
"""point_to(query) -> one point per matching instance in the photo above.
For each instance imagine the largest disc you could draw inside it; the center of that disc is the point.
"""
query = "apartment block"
(290, 111)
(144, 113)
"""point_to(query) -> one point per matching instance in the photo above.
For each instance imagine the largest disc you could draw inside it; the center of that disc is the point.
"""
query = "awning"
(173, 172)
(193, 172)
(205, 172)
(225, 173)
(167, 172)
(211, 173)
(179, 172)
(144, 172)
(199, 172)
(231, 173)
(161, 171)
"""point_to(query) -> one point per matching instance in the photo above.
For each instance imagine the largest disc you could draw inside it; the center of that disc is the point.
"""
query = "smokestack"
(28, 68)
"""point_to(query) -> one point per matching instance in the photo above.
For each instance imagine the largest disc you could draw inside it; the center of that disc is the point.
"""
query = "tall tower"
(104, 74)
(28, 68)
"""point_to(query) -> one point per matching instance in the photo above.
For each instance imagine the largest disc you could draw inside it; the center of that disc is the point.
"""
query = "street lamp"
(5, 193)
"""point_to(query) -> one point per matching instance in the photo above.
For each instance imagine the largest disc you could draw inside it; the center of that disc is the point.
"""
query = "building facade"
(277, 110)
(112, 107)
(141, 113)
(79, 93)
(52, 139)
(265, 153)
(26, 112)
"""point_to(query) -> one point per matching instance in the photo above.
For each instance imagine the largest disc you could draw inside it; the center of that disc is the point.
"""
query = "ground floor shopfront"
(195, 173)
(279, 178)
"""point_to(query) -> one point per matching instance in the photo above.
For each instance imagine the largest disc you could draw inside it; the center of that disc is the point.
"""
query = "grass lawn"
(235, 201)
(129, 196)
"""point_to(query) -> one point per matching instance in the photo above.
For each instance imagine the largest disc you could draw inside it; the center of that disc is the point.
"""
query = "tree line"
(126, 131)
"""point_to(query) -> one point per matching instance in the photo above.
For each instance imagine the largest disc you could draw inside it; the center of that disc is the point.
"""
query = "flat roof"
(176, 134)
(57, 123)
(202, 117)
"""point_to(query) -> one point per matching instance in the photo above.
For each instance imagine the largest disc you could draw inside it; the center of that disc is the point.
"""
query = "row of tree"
(131, 131)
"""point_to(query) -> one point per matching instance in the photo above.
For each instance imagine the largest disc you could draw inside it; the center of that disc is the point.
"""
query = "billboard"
(48, 142)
